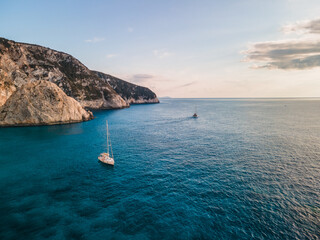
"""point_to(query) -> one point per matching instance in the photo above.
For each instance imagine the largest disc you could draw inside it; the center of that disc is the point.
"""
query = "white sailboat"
(105, 157)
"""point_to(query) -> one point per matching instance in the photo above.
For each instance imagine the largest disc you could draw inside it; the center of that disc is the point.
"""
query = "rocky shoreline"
(41, 103)
(22, 65)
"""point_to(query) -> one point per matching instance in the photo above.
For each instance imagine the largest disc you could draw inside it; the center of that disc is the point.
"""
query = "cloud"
(186, 84)
(140, 78)
(299, 54)
(161, 53)
(111, 55)
(95, 40)
(308, 26)
(289, 54)
(130, 29)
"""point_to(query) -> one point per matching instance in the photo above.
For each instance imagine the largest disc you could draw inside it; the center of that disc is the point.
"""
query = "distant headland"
(22, 63)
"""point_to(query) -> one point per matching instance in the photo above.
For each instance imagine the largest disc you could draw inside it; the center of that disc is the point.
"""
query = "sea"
(244, 169)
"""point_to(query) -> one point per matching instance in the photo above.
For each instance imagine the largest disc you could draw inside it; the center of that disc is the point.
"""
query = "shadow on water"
(43, 132)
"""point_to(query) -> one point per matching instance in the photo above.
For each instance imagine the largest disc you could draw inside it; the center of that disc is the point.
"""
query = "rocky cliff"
(21, 63)
(131, 93)
(41, 103)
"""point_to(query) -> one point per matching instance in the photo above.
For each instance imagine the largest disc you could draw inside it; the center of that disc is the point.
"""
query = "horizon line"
(237, 97)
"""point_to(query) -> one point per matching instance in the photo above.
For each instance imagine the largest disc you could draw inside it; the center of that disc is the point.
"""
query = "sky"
(182, 48)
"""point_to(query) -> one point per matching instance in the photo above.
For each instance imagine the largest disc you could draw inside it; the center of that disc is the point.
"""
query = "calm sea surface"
(245, 169)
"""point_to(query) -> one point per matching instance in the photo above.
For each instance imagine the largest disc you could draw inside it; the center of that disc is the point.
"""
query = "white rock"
(41, 103)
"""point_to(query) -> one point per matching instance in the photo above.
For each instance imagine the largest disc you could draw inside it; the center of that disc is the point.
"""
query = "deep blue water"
(245, 169)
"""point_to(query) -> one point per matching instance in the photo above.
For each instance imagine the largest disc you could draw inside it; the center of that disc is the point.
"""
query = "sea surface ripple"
(245, 169)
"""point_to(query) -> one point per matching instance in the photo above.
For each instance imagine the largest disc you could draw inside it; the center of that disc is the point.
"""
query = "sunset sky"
(181, 48)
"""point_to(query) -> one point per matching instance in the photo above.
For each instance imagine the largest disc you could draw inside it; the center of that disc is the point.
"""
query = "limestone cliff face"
(41, 103)
(131, 93)
(21, 63)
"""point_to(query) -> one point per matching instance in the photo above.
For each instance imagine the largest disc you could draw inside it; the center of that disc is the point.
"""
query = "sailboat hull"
(104, 157)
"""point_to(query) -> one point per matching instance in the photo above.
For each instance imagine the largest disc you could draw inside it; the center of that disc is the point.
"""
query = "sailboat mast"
(107, 138)
(111, 149)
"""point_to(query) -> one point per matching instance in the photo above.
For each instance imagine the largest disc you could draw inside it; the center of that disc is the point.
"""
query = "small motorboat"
(195, 115)
(105, 157)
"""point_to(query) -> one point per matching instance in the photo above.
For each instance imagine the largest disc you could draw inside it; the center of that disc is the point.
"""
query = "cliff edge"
(131, 93)
(21, 63)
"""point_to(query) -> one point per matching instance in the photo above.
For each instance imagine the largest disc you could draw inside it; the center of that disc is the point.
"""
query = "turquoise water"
(245, 169)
